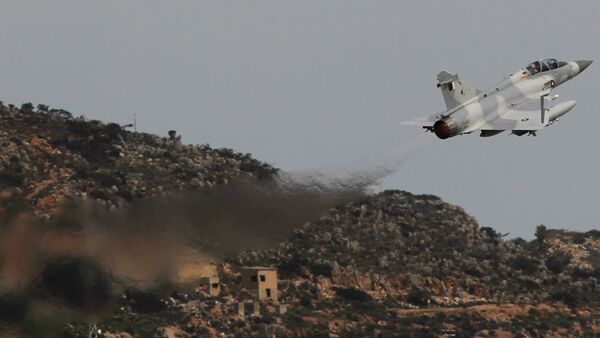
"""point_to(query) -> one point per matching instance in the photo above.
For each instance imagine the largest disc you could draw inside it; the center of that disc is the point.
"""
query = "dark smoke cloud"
(85, 256)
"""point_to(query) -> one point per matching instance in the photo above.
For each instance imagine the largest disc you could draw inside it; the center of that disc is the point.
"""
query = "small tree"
(541, 233)
(43, 108)
(27, 107)
(173, 136)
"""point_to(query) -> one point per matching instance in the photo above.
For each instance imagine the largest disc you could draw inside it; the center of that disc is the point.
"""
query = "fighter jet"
(519, 103)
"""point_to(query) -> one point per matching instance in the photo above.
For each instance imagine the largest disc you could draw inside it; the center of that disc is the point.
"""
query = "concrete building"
(261, 282)
(249, 308)
(210, 285)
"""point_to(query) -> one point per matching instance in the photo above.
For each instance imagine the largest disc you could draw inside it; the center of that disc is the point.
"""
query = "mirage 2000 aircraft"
(517, 103)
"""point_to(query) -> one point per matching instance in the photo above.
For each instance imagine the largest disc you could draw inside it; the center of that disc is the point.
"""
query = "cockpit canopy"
(544, 65)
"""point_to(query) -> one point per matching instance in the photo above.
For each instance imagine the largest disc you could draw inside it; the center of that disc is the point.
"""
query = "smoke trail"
(366, 172)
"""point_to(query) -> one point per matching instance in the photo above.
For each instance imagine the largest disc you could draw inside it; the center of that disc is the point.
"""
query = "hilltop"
(47, 155)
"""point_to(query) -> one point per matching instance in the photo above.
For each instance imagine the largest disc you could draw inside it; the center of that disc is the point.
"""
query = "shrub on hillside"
(353, 294)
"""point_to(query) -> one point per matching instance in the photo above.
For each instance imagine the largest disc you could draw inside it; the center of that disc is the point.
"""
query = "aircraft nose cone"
(583, 64)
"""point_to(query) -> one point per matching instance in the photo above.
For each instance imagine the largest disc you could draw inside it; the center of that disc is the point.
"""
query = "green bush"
(525, 264)
(353, 294)
(570, 296)
(419, 297)
(557, 263)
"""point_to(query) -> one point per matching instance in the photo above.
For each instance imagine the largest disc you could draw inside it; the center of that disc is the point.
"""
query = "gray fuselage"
(489, 105)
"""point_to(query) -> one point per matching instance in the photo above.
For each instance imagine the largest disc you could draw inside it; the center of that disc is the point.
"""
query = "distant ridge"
(47, 155)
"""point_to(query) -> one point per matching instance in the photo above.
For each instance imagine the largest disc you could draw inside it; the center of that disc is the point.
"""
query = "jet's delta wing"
(521, 119)
(518, 103)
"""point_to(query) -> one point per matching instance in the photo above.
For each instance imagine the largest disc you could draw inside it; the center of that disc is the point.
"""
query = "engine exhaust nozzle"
(445, 128)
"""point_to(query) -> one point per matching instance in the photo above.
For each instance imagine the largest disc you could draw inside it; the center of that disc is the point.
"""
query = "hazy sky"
(323, 85)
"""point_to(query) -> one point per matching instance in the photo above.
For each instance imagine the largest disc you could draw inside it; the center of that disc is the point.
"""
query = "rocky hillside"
(398, 264)
(47, 155)
(425, 251)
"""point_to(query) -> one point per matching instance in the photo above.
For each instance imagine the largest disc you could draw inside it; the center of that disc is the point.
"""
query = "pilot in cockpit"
(544, 66)
(552, 63)
(534, 68)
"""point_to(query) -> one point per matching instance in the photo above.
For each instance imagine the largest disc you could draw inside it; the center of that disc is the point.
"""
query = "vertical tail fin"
(455, 91)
